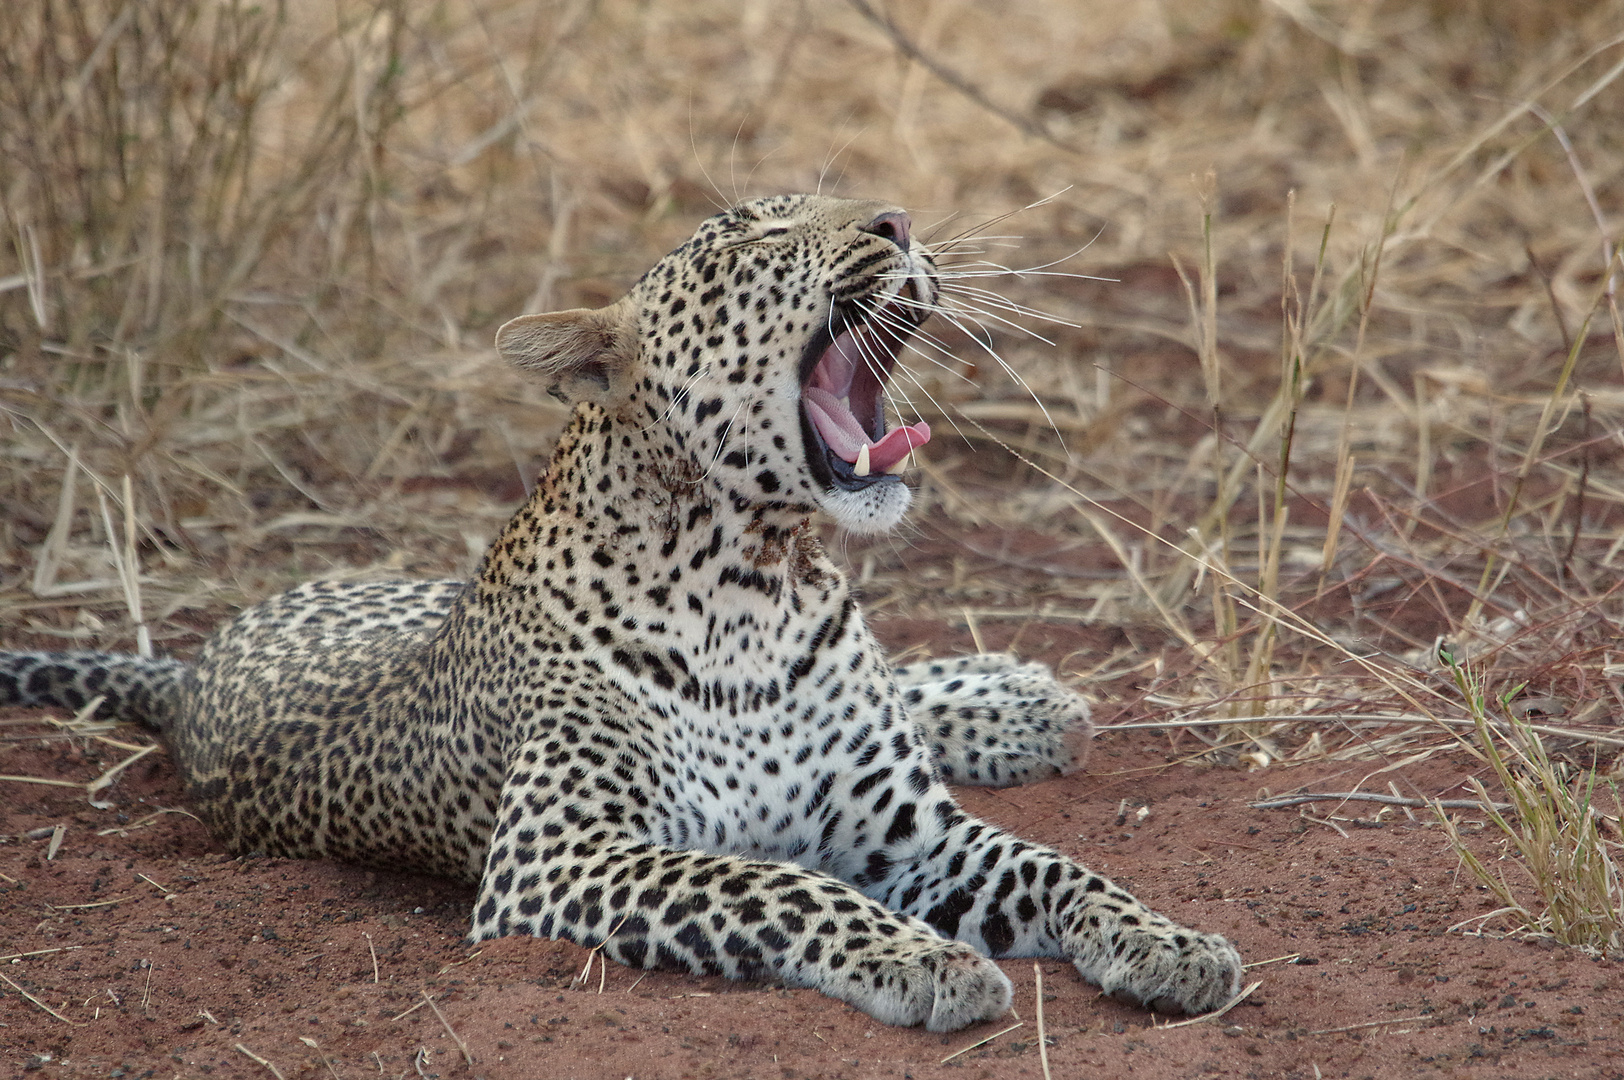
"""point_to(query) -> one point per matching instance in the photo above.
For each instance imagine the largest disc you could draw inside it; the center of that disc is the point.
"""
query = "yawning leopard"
(655, 721)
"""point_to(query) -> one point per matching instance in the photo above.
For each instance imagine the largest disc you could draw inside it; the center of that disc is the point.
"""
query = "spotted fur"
(655, 721)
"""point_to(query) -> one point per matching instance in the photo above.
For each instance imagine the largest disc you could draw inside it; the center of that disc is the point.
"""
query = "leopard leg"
(564, 862)
(993, 721)
(927, 671)
(974, 882)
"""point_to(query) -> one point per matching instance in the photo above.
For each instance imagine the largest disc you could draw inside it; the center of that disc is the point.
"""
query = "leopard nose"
(893, 226)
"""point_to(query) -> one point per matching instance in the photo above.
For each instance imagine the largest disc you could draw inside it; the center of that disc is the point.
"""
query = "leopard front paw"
(1168, 969)
(994, 721)
(967, 988)
(945, 986)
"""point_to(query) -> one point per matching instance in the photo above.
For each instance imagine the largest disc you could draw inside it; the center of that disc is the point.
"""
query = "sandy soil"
(156, 954)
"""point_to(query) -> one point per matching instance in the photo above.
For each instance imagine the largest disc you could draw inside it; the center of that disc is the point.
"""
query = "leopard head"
(761, 351)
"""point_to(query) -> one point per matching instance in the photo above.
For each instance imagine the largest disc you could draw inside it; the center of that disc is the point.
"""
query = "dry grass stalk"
(982, 1042)
(308, 1041)
(1558, 834)
(1277, 802)
(1043, 1036)
(1367, 1025)
(1219, 1013)
(251, 1056)
(373, 952)
(7, 958)
(461, 1046)
(36, 1001)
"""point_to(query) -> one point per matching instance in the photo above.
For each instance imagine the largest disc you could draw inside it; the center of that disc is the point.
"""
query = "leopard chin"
(878, 508)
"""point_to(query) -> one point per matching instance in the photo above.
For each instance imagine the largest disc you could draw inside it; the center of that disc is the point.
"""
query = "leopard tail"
(130, 687)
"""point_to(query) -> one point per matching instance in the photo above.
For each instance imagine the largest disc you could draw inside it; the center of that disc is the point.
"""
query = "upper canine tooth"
(860, 466)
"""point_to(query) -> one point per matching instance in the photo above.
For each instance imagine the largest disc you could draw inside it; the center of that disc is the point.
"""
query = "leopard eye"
(759, 235)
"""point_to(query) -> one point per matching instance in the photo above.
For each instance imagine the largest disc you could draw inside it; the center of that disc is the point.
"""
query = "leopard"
(655, 722)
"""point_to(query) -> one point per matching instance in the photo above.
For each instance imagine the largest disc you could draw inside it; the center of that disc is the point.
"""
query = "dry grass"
(254, 255)
(1567, 849)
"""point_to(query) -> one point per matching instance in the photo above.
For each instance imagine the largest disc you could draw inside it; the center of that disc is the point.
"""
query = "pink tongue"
(846, 437)
(896, 444)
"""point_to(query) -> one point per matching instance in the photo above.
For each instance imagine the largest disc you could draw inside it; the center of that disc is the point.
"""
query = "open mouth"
(843, 402)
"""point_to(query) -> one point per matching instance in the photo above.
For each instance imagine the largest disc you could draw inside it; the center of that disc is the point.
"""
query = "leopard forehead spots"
(655, 722)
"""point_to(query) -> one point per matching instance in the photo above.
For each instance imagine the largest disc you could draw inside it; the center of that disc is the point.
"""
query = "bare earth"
(160, 955)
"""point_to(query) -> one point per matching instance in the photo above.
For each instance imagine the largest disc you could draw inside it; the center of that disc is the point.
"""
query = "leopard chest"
(745, 699)
(765, 714)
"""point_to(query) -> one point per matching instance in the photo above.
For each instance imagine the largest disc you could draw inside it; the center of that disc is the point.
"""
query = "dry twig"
(37, 1001)
(462, 1046)
(982, 1042)
(256, 1058)
(1043, 1038)
(1279, 801)
(908, 48)
(1207, 1018)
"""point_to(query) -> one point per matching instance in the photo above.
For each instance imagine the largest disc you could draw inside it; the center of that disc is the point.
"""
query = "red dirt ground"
(175, 959)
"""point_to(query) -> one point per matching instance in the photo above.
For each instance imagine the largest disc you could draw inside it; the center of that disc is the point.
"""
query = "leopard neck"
(616, 494)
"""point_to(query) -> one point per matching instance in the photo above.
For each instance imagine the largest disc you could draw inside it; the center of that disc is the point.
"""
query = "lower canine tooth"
(860, 466)
(900, 467)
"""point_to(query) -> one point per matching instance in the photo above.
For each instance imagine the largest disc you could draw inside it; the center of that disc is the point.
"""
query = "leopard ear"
(584, 353)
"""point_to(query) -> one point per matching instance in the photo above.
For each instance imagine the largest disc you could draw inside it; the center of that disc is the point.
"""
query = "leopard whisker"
(917, 336)
(965, 306)
(958, 248)
(956, 318)
(950, 287)
(990, 222)
(721, 443)
(982, 266)
(881, 315)
(876, 365)
(955, 309)
(941, 409)
(677, 398)
(982, 302)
